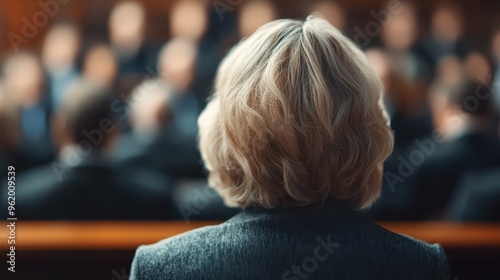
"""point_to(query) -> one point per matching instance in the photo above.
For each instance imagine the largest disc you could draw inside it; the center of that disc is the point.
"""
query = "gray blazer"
(299, 243)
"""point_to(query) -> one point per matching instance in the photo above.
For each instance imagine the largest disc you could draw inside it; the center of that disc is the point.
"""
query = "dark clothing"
(299, 243)
(195, 200)
(396, 192)
(438, 175)
(477, 198)
(433, 50)
(91, 190)
(165, 153)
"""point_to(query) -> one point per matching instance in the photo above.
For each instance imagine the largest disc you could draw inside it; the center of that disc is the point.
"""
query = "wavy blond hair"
(296, 119)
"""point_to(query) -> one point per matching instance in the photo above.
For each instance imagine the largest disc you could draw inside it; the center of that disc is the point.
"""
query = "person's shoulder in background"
(477, 197)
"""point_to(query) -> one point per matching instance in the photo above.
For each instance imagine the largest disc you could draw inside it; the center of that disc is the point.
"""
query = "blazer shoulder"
(163, 259)
(420, 255)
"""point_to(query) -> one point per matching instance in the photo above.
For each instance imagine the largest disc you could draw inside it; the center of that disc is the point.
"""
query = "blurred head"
(495, 46)
(177, 62)
(296, 119)
(446, 23)
(189, 19)
(149, 104)
(450, 71)
(254, 14)
(86, 118)
(401, 30)
(23, 77)
(9, 134)
(100, 66)
(126, 27)
(61, 46)
(332, 12)
(380, 63)
(478, 68)
(456, 106)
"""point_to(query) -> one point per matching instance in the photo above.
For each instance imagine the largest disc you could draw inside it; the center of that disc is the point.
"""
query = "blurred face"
(450, 71)
(254, 15)
(446, 25)
(100, 65)
(380, 64)
(151, 111)
(177, 63)
(332, 12)
(126, 26)
(400, 32)
(446, 117)
(477, 68)
(495, 46)
(189, 20)
(60, 47)
(9, 133)
(24, 80)
(438, 106)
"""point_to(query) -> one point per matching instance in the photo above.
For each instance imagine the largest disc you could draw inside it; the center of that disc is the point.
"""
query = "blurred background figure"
(399, 36)
(450, 71)
(254, 14)
(405, 91)
(9, 133)
(127, 26)
(465, 125)
(82, 183)
(26, 88)
(478, 68)
(495, 51)
(189, 20)
(477, 198)
(446, 34)
(100, 66)
(155, 145)
(332, 12)
(59, 55)
(177, 68)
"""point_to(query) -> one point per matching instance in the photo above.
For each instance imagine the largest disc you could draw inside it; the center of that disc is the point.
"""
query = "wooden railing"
(105, 249)
(112, 235)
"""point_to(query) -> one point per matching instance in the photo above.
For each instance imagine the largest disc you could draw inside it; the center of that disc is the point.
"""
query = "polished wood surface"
(111, 235)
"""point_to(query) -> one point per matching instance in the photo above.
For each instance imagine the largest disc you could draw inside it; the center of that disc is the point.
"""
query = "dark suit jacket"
(477, 197)
(332, 243)
(92, 190)
(436, 178)
(165, 153)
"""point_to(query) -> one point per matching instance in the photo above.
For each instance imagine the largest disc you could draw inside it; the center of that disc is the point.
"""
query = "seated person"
(477, 198)
(25, 88)
(81, 183)
(9, 134)
(464, 119)
(154, 142)
(296, 136)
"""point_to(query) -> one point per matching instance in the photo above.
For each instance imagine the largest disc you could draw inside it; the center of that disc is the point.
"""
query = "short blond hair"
(296, 118)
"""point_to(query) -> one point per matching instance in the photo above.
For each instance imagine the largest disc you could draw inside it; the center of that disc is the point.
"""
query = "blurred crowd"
(106, 128)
